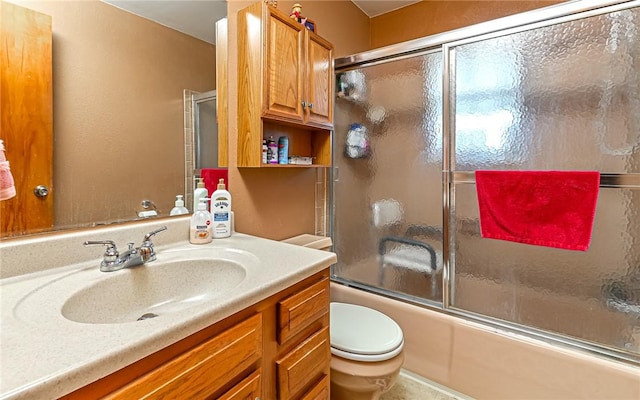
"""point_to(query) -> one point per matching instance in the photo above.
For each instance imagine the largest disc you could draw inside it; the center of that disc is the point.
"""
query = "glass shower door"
(388, 220)
(559, 97)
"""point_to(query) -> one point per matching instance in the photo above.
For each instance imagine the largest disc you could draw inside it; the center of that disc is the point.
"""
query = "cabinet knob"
(304, 104)
(310, 105)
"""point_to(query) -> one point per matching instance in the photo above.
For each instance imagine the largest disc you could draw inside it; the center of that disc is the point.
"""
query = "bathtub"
(487, 363)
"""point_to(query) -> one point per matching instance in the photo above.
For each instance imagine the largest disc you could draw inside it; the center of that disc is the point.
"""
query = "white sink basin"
(178, 281)
(148, 291)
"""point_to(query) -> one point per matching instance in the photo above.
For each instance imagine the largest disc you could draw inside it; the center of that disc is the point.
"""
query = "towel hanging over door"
(544, 208)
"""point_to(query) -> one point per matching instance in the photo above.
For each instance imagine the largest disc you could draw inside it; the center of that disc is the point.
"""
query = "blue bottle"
(283, 150)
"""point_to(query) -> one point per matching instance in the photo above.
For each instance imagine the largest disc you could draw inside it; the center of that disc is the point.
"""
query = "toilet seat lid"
(362, 331)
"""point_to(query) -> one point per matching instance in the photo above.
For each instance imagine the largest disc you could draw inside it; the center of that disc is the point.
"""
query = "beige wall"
(434, 16)
(279, 203)
(118, 83)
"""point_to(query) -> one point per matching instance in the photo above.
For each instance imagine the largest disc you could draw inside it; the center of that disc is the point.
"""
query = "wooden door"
(26, 117)
(319, 91)
(222, 91)
(284, 67)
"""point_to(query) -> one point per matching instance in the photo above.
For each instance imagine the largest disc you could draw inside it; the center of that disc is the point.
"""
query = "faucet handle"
(146, 249)
(148, 235)
(110, 254)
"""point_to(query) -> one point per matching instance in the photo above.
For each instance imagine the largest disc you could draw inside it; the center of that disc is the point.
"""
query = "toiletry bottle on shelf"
(221, 211)
(272, 151)
(200, 192)
(283, 150)
(200, 230)
(179, 208)
(264, 151)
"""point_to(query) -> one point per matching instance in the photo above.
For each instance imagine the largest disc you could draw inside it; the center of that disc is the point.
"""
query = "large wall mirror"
(119, 84)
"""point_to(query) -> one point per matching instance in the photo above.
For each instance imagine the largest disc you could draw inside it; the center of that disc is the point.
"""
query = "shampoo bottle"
(283, 150)
(179, 209)
(200, 230)
(221, 211)
(272, 151)
(199, 193)
(264, 151)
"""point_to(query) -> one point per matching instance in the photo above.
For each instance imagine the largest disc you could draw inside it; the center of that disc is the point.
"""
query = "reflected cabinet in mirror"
(93, 110)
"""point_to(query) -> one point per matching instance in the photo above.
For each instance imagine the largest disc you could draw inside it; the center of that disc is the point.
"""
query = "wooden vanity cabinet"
(285, 86)
(276, 349)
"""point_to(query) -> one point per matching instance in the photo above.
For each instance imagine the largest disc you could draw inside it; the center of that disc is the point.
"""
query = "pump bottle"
(179, 209)
(199, 193)
(200, 229)
(221, 211)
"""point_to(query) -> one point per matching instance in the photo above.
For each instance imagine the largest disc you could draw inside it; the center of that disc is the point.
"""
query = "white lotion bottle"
(221, 211)
(200, 229)
(200, 192)
(179, 208)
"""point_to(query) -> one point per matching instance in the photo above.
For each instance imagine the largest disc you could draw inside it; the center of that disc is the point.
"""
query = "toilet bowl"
(366, 352)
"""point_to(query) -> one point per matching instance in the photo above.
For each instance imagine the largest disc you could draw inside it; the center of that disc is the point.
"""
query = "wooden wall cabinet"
(285, 86)
(276, 349)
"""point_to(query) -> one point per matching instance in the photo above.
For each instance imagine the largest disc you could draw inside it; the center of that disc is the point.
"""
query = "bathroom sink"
(152, 290)
(182, 280)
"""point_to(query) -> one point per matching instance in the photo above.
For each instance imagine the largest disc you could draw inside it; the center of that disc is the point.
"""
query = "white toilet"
(366, 352)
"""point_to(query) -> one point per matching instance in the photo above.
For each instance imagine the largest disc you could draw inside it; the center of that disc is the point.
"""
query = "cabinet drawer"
(320, 391)
(249, 388)
(300, 310)
(304, 365)
(204, 369)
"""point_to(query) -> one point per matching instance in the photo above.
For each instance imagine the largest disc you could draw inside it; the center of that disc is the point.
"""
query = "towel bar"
(623, 180)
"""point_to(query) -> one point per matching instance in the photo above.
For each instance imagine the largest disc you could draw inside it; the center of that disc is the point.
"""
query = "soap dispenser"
(179, 208)
(221, 211)
(200, 192)
(200, 231)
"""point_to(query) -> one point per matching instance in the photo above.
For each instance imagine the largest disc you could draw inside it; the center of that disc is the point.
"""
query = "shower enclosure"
(552, 89)
(200, 136)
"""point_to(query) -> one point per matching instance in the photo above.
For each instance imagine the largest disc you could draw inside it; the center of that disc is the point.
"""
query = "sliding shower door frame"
(447, 43)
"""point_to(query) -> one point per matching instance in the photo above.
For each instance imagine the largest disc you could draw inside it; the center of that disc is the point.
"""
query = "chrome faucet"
(112, 260)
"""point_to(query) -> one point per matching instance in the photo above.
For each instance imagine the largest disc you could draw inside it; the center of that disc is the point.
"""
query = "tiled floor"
(413, 387)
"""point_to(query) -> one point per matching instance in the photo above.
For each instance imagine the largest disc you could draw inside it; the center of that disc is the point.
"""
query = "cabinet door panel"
(284, 72)
(203, 370)
(302, 309)
(304, 365)
(320, 81)
(248, 389)
(320, 391)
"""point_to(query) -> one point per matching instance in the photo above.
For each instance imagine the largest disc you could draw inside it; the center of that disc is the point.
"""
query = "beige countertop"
(45, 355)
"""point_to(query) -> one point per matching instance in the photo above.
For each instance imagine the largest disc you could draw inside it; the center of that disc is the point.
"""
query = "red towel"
(544, 208)
(212, 176)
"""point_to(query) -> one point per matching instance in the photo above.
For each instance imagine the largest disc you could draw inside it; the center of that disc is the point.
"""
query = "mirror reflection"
(114, 104)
